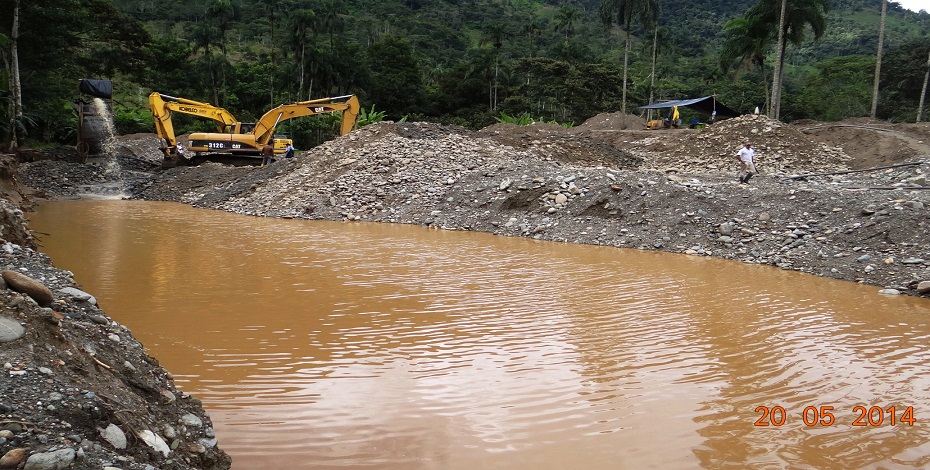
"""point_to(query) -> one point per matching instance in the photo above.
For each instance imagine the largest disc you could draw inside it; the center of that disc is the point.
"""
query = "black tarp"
(96, 88)
(706, 105)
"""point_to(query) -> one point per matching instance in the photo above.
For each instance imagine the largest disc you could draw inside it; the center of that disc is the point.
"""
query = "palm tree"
(271, 6)
(878, 58)
(495, 33)
(220, 13)
(650, 17)
(775, 105)
(204, 37)
(329, 19)
(623, 12)
(532, 30)
(301, 31)
(745, 45)
(794, 16)
(483, 66)
(566, 19)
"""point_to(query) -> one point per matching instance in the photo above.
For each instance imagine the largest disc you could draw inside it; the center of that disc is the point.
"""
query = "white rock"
(114, 435)
(155, 442)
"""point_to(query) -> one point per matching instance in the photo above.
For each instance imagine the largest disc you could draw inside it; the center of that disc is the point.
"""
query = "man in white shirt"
(746, 155)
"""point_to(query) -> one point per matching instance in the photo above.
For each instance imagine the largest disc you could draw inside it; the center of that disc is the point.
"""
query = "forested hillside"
(465, 62)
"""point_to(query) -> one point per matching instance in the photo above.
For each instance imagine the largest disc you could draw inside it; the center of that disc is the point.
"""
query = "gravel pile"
(113, 177)
(780, 149)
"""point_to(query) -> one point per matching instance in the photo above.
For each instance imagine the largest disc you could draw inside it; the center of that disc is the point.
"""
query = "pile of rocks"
(780, 148)
(58, 179)
(612, 121)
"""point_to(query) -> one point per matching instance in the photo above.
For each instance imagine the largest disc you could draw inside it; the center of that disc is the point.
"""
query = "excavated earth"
(847, 200)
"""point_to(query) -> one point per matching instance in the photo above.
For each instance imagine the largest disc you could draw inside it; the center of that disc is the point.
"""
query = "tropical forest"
(468, 63)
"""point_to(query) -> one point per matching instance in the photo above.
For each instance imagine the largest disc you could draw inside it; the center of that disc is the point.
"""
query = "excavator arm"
(265, 127)
(163, 105)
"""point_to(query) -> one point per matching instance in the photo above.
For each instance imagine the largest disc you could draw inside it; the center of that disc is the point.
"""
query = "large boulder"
(29, 286)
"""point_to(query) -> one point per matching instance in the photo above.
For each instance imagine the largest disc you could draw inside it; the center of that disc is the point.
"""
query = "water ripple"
(329, 345)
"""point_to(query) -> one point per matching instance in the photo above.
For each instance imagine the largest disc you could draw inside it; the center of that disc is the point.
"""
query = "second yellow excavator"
(238, 138)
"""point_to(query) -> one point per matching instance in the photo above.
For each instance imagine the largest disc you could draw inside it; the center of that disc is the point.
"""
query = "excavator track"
(223, 158)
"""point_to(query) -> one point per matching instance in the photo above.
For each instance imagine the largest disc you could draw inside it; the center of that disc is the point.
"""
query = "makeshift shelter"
(706, 105)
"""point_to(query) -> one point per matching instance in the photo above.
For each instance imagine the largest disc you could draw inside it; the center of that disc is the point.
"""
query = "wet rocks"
(55, 460)
(10, 329)
(74, 374)
(78, 294)
(114, 435)
(13, 457)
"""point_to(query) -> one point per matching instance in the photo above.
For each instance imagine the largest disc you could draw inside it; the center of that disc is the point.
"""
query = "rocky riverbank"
(76, 389)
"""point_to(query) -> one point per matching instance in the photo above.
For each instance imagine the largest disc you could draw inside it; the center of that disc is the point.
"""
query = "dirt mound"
(551, 141)
(780, 148)
(140, 146)
(871, 143)
(613, 121)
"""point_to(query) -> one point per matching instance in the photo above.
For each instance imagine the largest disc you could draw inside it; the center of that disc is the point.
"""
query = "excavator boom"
(265, 127)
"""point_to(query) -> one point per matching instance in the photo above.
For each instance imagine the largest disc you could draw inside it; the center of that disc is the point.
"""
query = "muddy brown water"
(353, 345)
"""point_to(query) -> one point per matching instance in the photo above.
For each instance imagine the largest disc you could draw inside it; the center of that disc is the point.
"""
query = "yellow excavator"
(234, 138)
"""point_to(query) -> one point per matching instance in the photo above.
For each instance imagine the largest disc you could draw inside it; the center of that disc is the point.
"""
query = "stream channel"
(357, 345)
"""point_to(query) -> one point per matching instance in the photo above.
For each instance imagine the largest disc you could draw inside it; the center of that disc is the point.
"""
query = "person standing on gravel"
(746, 157)
(267, 153)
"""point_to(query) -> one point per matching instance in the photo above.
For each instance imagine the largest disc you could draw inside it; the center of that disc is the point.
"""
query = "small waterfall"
(114, 185)
(104, 112)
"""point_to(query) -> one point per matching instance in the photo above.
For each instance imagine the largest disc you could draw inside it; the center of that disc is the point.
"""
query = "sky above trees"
(914, 5)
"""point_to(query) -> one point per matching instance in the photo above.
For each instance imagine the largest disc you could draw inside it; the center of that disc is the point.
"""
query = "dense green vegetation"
(466, 62)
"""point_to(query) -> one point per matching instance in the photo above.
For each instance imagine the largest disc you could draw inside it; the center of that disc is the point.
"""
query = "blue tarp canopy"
(705, 105)
(96, 88)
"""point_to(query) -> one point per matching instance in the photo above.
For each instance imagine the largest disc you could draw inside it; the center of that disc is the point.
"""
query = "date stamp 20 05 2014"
(825, 415)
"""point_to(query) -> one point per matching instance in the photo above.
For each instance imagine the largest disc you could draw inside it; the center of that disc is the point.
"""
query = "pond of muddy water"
(357, 345)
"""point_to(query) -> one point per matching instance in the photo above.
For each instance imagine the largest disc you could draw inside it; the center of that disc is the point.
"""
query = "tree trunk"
(216, 94)
(779, 64)
(626, 60)
(923, 91)
(274, 62)
(878, 59)
(303, 70)
(496, 72)
(16, 90)
(652, 81)
(765, 83)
